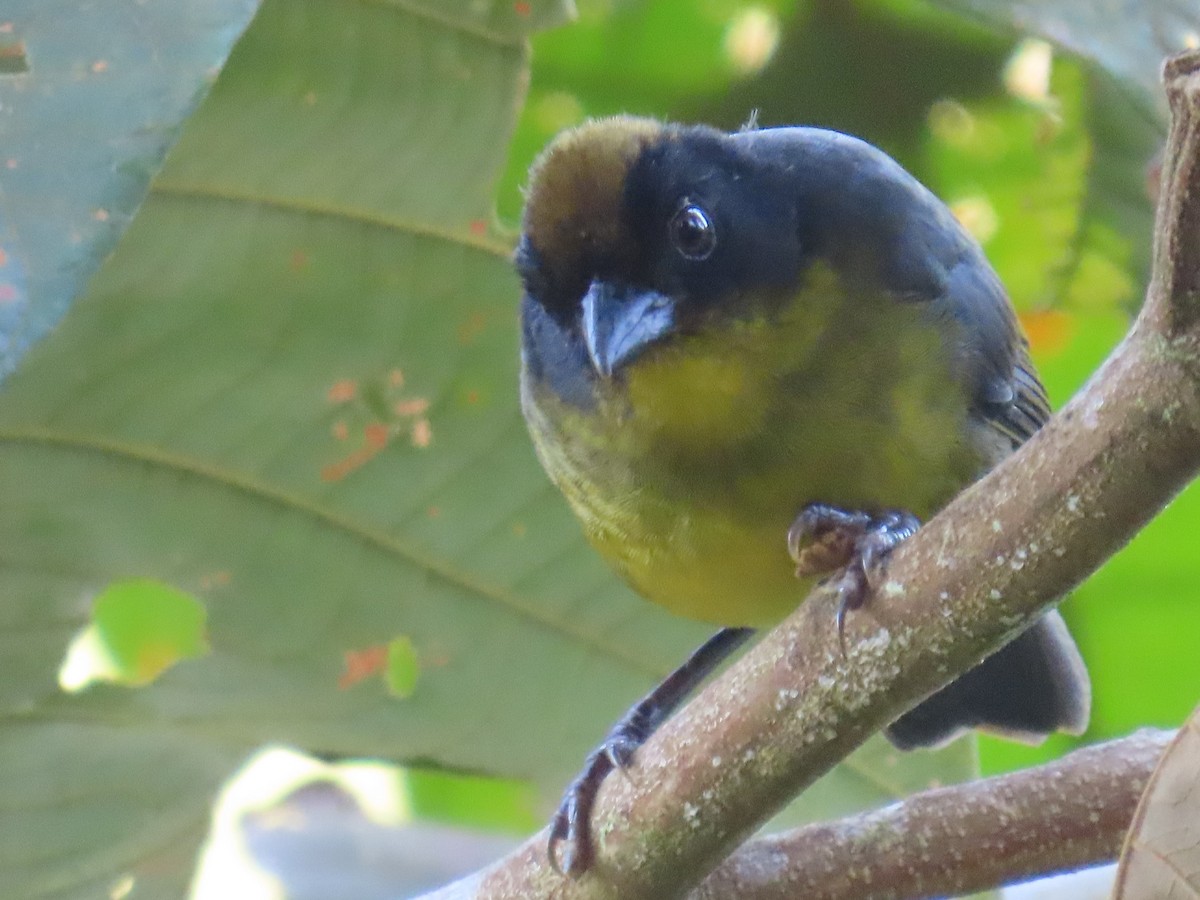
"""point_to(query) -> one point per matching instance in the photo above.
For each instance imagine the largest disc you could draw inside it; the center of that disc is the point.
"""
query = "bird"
(756, 360)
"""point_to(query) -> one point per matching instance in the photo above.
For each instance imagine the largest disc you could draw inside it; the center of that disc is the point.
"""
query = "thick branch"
(979, 572)
(1059, 817)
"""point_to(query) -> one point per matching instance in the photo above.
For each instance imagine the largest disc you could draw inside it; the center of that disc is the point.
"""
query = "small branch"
(979, 572)
(1059, 817)
(1176, 272)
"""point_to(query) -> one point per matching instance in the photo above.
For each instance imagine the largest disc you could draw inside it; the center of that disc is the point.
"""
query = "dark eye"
(692, 232)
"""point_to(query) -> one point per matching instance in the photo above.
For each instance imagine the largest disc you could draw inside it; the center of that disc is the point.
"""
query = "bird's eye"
(692, 232)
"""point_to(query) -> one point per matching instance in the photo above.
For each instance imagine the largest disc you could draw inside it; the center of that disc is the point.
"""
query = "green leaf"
(182, 423)
(93, 95)
(93, 807)
(145, 628)
(473, 802)
(403, 667)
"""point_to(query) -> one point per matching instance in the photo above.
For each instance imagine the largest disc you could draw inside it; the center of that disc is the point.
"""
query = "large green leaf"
(91, 97)
(178, 426)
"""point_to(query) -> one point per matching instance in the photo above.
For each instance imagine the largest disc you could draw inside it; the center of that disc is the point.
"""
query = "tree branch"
(1059, 817)
(979, 572)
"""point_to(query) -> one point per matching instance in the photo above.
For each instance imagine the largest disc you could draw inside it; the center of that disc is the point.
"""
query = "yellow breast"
(693, 462)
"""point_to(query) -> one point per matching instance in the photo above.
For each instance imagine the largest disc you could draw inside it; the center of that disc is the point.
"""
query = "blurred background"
(265, 481)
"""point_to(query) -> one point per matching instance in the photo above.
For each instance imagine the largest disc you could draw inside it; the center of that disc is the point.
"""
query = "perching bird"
(738, 344)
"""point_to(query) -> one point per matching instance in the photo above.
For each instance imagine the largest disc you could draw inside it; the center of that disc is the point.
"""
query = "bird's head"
(637, 234)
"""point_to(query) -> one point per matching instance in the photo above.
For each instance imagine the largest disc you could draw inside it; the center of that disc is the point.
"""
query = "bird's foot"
(571, 827)
(825, 539)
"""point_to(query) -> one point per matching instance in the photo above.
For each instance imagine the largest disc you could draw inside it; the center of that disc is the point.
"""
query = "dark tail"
(1032, 687)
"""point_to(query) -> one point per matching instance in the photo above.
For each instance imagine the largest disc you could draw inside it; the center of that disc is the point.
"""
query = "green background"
(266, 475)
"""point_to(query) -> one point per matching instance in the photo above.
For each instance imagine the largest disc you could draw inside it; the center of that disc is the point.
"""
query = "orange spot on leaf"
(472, 396)
(522, 9)
(477, 227)
(100, 215)
(340, 430)
(422, 433)
(342, 391)
(100, 65)
(343, 467)
(433, 512)
(298, 260)
(359, 665)
(376, 435)
(519, 529)
(414, 407)
(8, 293)
(3, 257)
(6, 27)
(310, 99)
(396, 378)
(152, 659)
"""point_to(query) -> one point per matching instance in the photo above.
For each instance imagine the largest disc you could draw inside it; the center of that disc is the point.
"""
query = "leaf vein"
(151, 456)
(169, 187)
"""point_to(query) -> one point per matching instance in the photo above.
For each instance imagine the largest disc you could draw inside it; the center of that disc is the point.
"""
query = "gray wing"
(1006, 394)
(1026, 411)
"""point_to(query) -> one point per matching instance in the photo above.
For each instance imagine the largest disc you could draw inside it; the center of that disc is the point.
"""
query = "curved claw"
(559, 829)
(822, 538)
(853, 587)
(571, 827)
(572, 822)
(825, 538)
(839, 620)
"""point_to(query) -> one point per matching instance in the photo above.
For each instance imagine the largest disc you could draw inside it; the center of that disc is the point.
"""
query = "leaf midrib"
(424, 12)
(171, 187)
(145, 455)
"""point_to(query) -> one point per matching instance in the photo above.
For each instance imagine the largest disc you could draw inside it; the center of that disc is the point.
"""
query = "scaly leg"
(572, 823)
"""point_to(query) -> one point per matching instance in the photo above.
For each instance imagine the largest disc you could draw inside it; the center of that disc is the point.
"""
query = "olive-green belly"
(692, 465)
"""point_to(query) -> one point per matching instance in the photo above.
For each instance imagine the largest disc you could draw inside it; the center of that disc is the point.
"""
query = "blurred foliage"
(1127, 39)
(284, 415)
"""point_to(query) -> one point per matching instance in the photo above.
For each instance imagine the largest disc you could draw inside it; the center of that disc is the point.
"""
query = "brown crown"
(573, 201)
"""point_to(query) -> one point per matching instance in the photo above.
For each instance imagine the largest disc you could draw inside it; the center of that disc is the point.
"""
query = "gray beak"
(620, 322)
